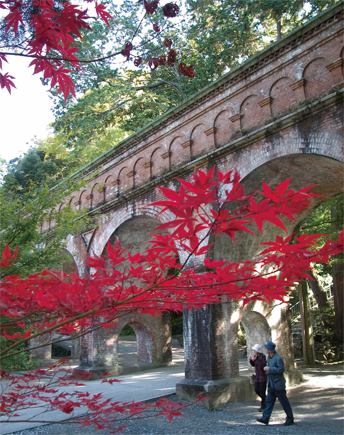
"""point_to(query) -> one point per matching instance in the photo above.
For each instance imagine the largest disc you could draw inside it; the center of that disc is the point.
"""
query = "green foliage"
(127, 331)
(326, 219)
(241, 336)
(22, 216)
(177, 323)
(34, 168)
(16, 362)
(323, 322)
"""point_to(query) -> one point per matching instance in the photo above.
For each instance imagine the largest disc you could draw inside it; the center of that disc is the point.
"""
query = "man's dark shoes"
(261, 420)
(288, 423)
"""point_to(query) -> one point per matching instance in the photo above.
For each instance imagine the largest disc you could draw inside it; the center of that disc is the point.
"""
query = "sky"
(25, 113)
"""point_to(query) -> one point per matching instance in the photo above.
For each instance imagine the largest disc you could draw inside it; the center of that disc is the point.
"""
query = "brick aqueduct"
(277, 115)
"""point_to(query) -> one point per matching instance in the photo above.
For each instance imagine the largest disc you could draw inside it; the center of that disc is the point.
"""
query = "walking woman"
(258, 361)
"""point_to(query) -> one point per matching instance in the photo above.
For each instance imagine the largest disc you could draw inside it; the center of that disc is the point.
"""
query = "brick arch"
(318, 80)
(51, 220)
(111, 188)
(45, 226)
(251, 114)
(145, 335)
(71, 202)
(76, 246)
(160, 161)
(321, 164)
(123, 180)
(325, 144)
(202, 140)
(141, 173)
(179, 152)
(121, 216)
(68, 264)
(224, 128)
(283, 98)
(97, 195)
(323, 172)
(263, 322)
(256, 328)
(84, 199)
(153, 336)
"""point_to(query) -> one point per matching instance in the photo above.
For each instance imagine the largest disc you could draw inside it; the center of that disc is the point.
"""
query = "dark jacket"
(276, 369)
(259, 363)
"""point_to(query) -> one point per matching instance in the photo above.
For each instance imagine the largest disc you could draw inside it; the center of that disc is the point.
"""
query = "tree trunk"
(279, 29)
(318, 293)
(338, 281)
(307, 331)
(338, 297)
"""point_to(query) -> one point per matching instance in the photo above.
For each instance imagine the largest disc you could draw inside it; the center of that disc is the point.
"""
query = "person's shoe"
(288, 423)
(260, 420)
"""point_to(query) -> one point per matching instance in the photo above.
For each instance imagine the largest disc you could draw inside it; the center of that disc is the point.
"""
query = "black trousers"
(260, 390)
(270, 403)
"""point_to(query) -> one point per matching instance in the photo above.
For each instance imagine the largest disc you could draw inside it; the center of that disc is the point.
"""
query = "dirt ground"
(317, 405)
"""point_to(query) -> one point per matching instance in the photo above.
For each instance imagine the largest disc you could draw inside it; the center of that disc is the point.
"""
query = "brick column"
(211, 357)
(86, 351)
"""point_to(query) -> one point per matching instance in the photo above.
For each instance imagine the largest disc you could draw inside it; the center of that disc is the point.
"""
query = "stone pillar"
(76, 349)
(86, 351)
(211, 357)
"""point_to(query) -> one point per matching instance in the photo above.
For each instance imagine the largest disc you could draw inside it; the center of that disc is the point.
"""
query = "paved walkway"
(138, 386)
(158, 382)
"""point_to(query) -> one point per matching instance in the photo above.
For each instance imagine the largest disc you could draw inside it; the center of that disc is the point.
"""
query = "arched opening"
(242, 343)
(177, 334)
(271, 322)
(256, 331)
(62, 345)
(67, 263)
(304, 170)
(323, 289)
(135, 344)
(127, 346)
(152, 333)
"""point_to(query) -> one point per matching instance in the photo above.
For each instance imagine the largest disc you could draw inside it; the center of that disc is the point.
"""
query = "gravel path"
(317, 405)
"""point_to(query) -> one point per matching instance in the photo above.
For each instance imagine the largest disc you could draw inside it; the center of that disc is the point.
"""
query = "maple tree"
(207, 204)
(48, 31)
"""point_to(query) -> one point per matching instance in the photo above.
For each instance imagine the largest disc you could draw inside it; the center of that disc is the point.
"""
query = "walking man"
(276, 386)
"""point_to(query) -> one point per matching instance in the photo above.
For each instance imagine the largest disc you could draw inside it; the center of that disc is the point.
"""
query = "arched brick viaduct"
(276, 116)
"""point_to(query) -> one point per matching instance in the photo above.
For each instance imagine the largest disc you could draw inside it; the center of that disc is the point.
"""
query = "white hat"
(257, 348)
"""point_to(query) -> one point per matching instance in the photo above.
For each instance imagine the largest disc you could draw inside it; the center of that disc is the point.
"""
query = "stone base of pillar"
(216, 393)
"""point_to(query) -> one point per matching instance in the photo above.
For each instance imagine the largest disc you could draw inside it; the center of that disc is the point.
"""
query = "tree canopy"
(24, 216)
(119, 90)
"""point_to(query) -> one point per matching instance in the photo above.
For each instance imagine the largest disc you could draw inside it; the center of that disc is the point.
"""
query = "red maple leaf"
(7, 257)
(6, 82)
(102, 13)
(15, 17)
(2, 58)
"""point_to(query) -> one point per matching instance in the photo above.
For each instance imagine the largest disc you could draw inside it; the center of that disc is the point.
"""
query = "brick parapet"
(220, 122)
(304, 36)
